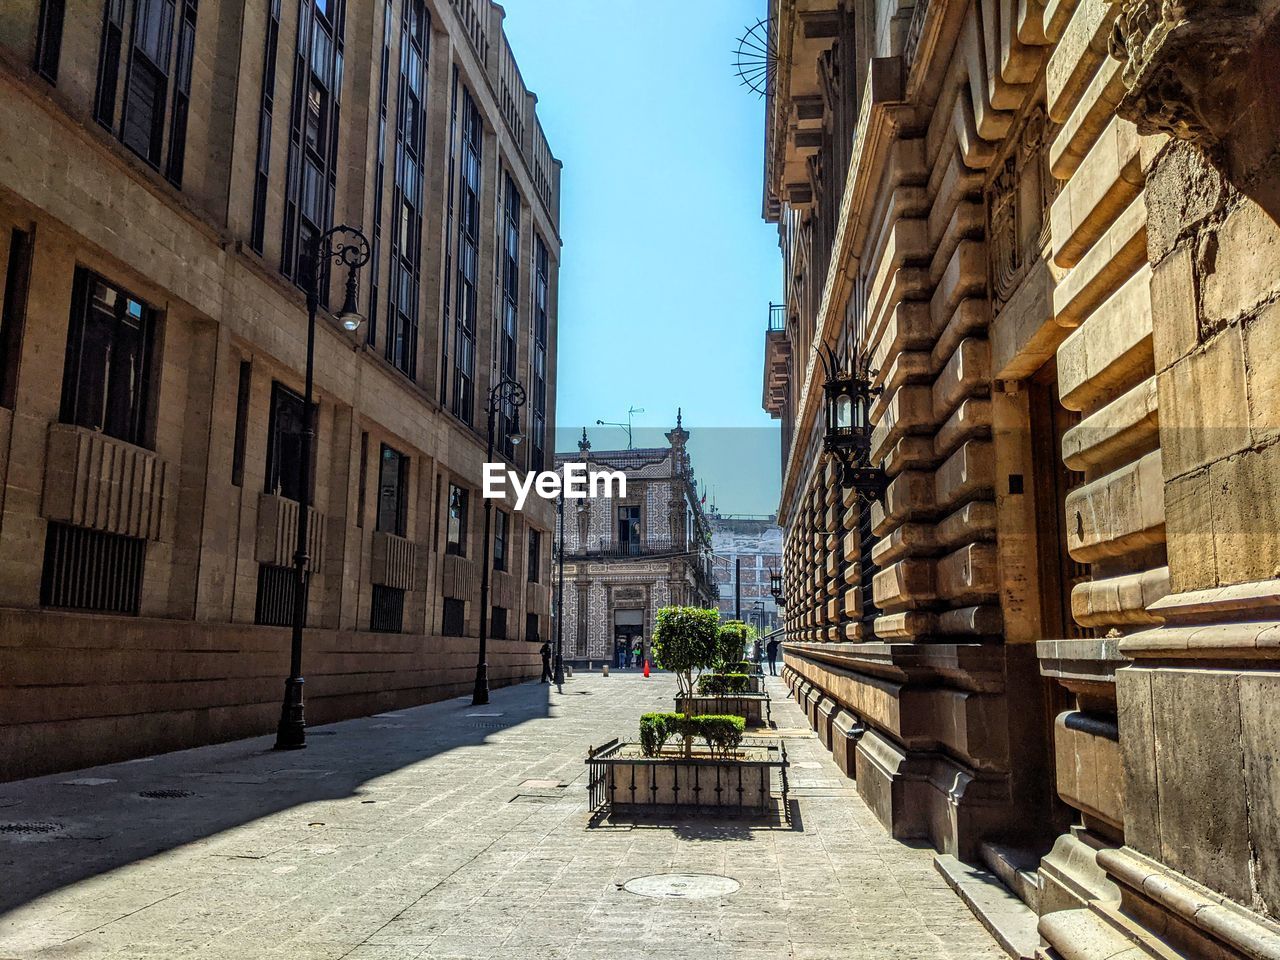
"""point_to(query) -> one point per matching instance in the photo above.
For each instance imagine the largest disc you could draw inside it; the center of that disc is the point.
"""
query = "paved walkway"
(444, 832)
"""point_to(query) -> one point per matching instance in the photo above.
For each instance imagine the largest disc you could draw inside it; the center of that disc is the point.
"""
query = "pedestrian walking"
(546, 663)
(772, 649)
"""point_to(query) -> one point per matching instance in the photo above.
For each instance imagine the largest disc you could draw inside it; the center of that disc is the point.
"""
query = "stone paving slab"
(418, 836)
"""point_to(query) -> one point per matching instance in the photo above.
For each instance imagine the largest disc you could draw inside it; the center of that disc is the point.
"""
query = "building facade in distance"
(625, 559)
(1047, 233)
(746, 551)
(178, 161)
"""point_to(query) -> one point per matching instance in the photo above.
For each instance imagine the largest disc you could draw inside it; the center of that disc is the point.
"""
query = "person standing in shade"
(546, 663)
(772, 649)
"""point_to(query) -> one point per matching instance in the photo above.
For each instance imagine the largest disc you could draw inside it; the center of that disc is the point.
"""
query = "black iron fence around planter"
(746, 783)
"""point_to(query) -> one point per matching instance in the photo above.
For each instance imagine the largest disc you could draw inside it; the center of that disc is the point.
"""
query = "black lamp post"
(348, 247)
(848, 428)
(559, 678)
(506, 393)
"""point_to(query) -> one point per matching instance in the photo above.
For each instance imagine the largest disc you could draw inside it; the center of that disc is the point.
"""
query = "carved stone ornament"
(1181, 63)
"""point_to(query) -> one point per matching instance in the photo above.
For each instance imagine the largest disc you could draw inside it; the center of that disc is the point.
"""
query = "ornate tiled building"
(1040, 240)
(167, 166)
(626, 558)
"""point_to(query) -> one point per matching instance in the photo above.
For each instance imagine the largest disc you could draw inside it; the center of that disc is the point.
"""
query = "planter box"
(752, 707)
(622, 779)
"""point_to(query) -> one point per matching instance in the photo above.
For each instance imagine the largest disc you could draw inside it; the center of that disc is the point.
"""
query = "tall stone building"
(167, 166)
(1047, 233)
(746, 552)
(625, 559)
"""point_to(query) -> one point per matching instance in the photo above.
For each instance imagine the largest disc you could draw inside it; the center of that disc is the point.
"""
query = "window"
(386, 610)
(49, 38)
(311, 178)
(13, 314)
(629, 528)
(535, 556)
(455, 618)
(242, 423)
(401, 348)
(266, 114)
(538, 358)
(455, 538)
(284, 443)
(531, 631)
(498, 623)
(157, 78)
(379, 178)
(465, 294)
(501, 523)
(509, 268)
(277, 586)
(363, 480)
(108, 365)
(393, 492)
(91, 570)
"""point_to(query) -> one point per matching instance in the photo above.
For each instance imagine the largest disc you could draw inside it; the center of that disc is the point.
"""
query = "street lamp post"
(506, 392)
(346, 246)
(560, 596)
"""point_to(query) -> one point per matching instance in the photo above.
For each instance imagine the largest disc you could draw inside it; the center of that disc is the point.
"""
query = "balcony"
(607, 549)
(777, 361)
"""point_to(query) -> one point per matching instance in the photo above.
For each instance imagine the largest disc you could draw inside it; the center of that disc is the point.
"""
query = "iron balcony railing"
(777, 317)
(613, 549)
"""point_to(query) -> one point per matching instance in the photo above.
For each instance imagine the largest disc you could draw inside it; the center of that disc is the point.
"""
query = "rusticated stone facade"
(164, 168)
(1049, 648)
(625, 559)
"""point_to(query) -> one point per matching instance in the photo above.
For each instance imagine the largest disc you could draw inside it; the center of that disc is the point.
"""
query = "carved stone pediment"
(1182, 62)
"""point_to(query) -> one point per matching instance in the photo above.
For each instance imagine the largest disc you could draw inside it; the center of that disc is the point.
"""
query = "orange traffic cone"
(646, 669)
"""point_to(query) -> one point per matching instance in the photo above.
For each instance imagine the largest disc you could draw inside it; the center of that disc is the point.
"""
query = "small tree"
(684, 641)
(731, 643)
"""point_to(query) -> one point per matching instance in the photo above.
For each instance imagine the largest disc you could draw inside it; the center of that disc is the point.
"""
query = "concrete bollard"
(604, 670)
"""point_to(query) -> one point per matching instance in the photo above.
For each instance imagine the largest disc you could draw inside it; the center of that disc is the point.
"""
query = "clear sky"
(667, 269)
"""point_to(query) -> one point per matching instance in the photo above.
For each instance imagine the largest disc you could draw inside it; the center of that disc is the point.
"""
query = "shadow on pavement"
(62, 828)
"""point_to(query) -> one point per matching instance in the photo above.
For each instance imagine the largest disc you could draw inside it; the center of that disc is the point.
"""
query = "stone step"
(1016, 868)
(1010, 921)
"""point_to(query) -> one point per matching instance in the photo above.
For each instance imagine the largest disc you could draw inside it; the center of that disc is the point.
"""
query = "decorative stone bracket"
(278, 532)
(100, 483)
(394, 561)
(1182, 62)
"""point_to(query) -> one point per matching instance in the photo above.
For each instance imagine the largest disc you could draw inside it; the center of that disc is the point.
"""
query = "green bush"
(655, 730)
(742, 666)
(732, 641)
(723, 684)
(722, 733)
(684, 641)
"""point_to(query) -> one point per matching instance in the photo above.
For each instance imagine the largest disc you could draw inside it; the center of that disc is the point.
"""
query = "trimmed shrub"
(731, 643)
(742, 666)
(722, 733)
(655, 730)
(723, 684)
(684, 641)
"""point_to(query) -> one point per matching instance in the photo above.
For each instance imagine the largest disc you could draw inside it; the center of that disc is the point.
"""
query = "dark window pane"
(284, 443)
(393, 499)
(500, 523)
(456, 527)
(49, 39)
(455, 618)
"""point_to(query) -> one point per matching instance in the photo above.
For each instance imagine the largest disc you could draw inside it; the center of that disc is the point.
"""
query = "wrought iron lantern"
(848, 428)
(775, 588)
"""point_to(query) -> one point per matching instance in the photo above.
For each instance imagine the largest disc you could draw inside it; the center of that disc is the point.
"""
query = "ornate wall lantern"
(848, 428)
(775, 588)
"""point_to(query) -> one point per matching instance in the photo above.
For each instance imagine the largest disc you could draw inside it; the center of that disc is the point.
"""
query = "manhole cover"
(683, 886)
(30, 826)
(166, 794)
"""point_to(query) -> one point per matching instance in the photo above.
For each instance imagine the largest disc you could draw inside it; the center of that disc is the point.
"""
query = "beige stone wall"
(87, 200)
(1054, 247)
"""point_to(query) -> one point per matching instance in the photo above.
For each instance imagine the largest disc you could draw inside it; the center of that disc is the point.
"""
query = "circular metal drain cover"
(30, 826)
(166, 794)
(683, 886)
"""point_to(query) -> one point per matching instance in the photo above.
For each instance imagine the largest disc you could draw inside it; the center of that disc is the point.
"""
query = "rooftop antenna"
(631, 412)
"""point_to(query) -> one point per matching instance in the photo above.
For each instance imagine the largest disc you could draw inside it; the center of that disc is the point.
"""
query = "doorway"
(629, 639)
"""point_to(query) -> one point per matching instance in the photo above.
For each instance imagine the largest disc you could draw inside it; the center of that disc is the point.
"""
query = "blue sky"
(667, 268)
